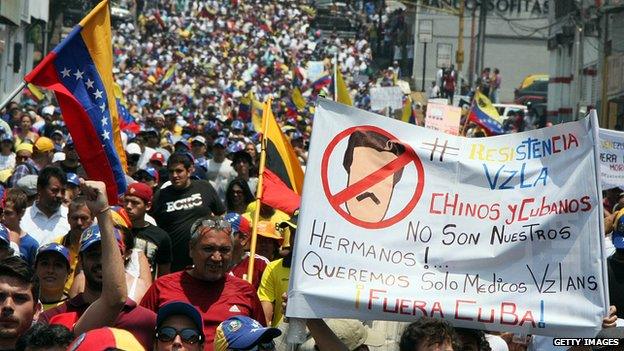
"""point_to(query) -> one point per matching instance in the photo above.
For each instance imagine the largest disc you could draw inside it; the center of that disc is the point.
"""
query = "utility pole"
(424, 66)
(471, 62)
(459, 55)
(481, 39)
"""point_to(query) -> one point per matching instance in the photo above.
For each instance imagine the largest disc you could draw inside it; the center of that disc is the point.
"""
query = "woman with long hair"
(238, 196)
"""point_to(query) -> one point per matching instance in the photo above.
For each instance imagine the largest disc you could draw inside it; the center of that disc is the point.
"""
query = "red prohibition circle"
(336, 206)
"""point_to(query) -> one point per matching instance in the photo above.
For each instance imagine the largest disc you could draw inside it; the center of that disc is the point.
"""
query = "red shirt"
(240, 270)
(139, 321)
(216, 301)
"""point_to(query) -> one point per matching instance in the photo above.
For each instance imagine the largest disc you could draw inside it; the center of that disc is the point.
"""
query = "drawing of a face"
(366, 153)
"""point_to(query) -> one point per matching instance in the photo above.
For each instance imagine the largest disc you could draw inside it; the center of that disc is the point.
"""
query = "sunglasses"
(187, 335)
(210, 223)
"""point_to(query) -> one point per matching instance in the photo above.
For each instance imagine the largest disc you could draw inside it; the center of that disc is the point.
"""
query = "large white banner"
(611, 158)
(500, 233)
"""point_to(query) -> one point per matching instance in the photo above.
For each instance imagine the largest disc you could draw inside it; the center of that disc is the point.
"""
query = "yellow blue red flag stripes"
(484, 114)
(79, 71)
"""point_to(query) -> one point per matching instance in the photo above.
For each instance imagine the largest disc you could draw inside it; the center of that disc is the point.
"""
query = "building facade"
(21, 24)
(515, 39)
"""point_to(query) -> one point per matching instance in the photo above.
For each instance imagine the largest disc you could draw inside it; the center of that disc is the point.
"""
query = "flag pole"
(336, 77)
(13, 94)
(256, 218)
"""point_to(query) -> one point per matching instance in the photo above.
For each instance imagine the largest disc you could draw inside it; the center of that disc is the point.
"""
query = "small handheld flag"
(484, 114)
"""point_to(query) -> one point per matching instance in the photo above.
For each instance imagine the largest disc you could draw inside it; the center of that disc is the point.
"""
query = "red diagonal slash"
(372, 179)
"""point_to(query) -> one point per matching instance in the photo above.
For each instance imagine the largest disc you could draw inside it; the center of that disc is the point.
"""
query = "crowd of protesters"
(167, 268)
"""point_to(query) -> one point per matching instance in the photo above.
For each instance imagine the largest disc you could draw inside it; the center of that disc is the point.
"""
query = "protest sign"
(499, 233)
(386, 97)
(611, 158)
(315, 70)
(443, 118)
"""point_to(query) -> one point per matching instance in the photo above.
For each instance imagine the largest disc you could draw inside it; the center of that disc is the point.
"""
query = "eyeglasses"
(210, 223)
(187, 335)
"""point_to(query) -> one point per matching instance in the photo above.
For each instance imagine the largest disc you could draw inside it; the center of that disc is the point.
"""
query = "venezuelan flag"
(79, 71)
(484, 114)
(322, 82)
(169, 76)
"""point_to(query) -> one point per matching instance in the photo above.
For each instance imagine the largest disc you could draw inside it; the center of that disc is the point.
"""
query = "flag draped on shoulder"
(79, 71)
(484, 114)
(285, 177)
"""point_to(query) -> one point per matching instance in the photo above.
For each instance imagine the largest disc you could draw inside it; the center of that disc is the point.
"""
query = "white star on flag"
(106, 135)
(103, 106)
(65, 72)
(78, 74)
(98, 94)
(89, 83)
(104, 121)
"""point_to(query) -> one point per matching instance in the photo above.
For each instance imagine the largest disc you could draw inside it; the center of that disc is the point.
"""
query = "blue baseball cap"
(92, 236)
(222, 141)
(6, 137)
(56, 248)
(181, 308)
(238, 124)
(296, 135)
(242, 333)
(72, 178)
(184, 143)
(236, 147)
(238, 222)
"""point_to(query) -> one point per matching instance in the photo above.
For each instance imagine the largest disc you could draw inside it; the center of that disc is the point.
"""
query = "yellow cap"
(267, 230)
(44, 144)
(24, 146)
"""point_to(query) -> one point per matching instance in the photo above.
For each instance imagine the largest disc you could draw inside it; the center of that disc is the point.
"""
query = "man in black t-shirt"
(153, 241)
(179, 205)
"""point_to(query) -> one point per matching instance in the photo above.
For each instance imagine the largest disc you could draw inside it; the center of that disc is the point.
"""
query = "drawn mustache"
(366, 195)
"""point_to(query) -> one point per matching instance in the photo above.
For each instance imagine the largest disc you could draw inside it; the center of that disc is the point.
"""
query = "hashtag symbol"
(441, 148)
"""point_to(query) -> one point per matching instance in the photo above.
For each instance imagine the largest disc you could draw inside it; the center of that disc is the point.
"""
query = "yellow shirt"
(273, 284)
(73, 261)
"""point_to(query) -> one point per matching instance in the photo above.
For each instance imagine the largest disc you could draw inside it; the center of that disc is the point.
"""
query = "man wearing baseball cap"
(179, 326)
(105, 289)
(269, 240)
(241, 233)
(52, 267)
(152, 240)
(199, 148)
